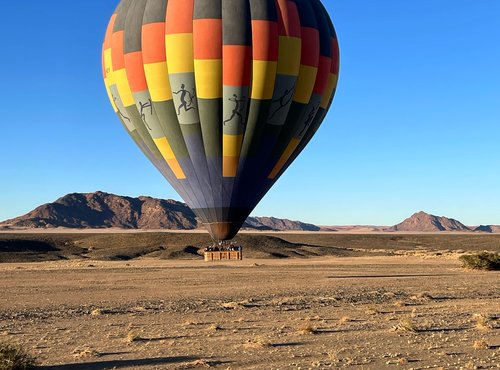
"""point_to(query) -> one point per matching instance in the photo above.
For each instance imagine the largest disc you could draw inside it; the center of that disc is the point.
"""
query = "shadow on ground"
(26, 246)
(116, 364)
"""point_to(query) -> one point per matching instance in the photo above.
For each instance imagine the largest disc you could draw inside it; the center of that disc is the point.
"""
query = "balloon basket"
(223, 252)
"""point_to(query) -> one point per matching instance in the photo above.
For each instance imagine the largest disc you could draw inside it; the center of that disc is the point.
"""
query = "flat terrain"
(352, 312)
(114, 245)
(106, 301)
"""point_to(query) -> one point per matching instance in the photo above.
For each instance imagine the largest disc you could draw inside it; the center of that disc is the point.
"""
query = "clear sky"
(415, 124)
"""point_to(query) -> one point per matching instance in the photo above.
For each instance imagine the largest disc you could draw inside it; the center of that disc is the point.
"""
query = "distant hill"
(278, 224)
(103, 210)
(424, 222)
(488, 228)
(354, 228)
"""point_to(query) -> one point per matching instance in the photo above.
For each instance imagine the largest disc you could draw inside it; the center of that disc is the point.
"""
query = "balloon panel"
(221, 95)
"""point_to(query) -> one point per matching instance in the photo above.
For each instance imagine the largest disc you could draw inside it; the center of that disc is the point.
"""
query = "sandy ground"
(355, 312)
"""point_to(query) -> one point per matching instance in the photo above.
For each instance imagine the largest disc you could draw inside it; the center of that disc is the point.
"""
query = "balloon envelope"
(221, 95)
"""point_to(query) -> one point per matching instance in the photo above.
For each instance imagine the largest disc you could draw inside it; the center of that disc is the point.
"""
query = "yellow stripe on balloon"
(208, 73)
(264, 76)
(168, 154)
(231, 149)
(330, 87)
(231, 145)
(289, 55)
(284, 158)
(305, 84)
(158, 82)
(108, 66)
(124, 88)
(180, 52)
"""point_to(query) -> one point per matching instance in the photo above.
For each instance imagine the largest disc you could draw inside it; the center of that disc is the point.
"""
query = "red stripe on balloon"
(117, 51)
(236, 65)
(207, 38)
(135, 72)
(325, 64)
(288, 18)
(153, 43)
(265, 40)
(310, 47)
(180, 16)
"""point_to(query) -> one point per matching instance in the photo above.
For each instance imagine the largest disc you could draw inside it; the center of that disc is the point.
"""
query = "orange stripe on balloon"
(236, 65)
(153, 43)
(325, 64)
(109, 32)
(207, 34)
(135, 72)
(310, 46)
(180, 16)
(288, 18)
(117, 50)
(265, 40)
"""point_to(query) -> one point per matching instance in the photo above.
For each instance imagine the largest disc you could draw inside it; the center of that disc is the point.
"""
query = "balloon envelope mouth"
(223, 230)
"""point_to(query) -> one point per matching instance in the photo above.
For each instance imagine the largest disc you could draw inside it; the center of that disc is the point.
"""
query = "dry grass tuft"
(480, 344)
(307, 329)
(372, 311)
(402, 361)
(483, 322)
(405, 325)
(259, 342)
(96, 312)
(414, 313)
(133, 336)
(470, 365)
(345, 319)
(199, 363)
(85, 352)
(13, 357)
(422, 296)
(214, 327)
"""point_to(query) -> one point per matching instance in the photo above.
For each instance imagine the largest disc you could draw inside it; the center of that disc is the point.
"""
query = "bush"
(481, 261)
(14, 358)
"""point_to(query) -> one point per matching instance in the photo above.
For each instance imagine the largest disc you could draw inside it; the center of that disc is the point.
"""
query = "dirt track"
(360, 313)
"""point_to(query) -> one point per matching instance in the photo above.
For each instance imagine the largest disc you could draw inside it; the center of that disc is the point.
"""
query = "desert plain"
(296, 301)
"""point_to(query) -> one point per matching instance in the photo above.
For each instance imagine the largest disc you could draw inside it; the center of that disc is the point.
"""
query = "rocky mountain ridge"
(424, 222)
(103, 210)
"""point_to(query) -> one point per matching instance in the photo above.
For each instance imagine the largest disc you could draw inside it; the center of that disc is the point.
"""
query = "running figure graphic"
(186, 104)
(238, 108)
(148, 104)
(309, 120)
(118, 109)
(284, 100)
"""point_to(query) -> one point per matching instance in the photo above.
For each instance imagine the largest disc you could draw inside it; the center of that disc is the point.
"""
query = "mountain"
(278, 224)
(424, 222)
(488, 228)
(103, 210)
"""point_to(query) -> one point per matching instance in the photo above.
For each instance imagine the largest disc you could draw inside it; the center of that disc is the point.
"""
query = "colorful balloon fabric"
(221, 95)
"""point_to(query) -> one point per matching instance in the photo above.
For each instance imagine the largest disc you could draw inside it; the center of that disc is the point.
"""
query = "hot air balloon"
(221, 95)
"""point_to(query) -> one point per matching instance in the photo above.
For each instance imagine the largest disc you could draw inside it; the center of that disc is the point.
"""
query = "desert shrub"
(481, 261)
(14, 358)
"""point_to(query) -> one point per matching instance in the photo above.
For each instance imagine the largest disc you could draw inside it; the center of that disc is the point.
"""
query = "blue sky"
(415, 124)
